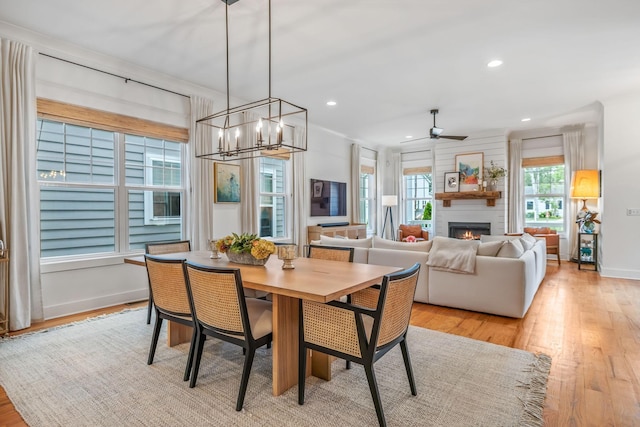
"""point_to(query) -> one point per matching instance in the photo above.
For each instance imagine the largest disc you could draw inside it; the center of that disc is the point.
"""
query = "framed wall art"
(470, 167)
(226, 183)
(451, 182)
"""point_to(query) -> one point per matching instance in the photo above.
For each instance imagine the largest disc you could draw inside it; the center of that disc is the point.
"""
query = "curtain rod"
(126, 79)
(541, 137)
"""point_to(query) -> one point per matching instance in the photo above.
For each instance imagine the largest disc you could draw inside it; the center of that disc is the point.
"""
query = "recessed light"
(494, 63)
(409, 136)
(526, 119)
(331, 103)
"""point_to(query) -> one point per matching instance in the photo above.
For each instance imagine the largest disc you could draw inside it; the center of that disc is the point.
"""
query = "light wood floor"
(589, 325)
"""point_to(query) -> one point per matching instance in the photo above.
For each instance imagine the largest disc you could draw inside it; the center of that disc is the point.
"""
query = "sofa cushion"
(490, 248)
(380, 243)
(352, 243)
(499, 237)
(511, 249)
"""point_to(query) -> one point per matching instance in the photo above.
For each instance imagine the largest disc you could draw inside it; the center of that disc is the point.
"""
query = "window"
(274, 199)
(544, 196)
(368, 195)
(418, 190)
(105, 191)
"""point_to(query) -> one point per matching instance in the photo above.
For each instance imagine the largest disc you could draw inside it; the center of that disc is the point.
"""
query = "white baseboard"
(73, 307)
(620, 273)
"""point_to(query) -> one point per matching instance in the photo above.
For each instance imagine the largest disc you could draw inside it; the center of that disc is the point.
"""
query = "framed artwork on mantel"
(451, 182)
(470, 167)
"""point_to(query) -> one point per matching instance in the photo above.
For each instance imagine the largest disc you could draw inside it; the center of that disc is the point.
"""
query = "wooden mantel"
(490, 196)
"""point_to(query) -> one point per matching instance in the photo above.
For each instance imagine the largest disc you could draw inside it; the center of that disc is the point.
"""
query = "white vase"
(492, 184)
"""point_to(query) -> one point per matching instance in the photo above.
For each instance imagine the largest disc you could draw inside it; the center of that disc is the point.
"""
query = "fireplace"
(469, 230)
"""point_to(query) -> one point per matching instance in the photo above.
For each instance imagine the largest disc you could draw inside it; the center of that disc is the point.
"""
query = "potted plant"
(494, 172)
(246, 248)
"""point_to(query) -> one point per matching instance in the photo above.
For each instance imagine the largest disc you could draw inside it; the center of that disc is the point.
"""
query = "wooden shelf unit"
(351, 231)
(490, 196)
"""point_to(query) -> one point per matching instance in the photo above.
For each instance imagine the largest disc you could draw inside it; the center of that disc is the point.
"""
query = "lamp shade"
(585, 184)
(390, 200)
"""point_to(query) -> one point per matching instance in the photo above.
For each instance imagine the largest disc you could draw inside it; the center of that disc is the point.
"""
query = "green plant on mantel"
(494, 171)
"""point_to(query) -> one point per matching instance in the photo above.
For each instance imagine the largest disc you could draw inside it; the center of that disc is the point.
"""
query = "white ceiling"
(386, 63)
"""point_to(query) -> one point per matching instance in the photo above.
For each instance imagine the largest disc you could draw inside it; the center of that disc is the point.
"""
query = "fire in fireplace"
(469, 230)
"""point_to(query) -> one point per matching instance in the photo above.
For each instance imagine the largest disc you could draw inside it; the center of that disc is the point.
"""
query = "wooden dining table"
(311, 279)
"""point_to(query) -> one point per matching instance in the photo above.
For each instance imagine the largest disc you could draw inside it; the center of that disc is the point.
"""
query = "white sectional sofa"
(505, 273)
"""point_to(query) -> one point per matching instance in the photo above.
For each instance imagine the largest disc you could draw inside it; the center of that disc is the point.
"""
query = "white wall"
(328, 158)
(620, 233)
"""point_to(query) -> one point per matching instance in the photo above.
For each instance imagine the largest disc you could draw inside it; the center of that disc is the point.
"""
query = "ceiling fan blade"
(459, 138)
(415, 139)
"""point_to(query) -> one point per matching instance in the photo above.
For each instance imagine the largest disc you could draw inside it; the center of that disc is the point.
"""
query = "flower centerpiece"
(494, 172)
(587, 221)
(246, 248)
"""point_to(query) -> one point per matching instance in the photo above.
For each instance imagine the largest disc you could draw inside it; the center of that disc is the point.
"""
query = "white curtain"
(250, 183)
(298, 195)
(573, 147)
(516, 187)
(200, 177)
(355, 183)
(19, 193)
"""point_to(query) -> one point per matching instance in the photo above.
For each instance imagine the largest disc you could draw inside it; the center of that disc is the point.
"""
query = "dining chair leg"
(196, 362)
(149, 308)
(375, 394)
(302, 369)
(246, 370)
(407, 365)
(194, 337)
(154, 338)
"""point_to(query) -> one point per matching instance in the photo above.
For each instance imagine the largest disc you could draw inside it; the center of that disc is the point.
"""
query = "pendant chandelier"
(270, 127)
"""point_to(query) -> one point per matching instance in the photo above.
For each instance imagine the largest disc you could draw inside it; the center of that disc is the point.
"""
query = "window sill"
(58, 265)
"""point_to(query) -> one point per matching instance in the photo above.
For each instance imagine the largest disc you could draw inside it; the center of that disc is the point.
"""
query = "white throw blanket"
(454, 255)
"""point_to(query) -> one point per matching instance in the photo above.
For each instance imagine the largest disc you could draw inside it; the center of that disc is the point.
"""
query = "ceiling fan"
(436, 132)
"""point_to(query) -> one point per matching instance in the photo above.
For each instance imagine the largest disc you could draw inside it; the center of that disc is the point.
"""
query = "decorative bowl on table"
(246, 258)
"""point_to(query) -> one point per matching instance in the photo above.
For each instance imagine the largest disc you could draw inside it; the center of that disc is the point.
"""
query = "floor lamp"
(389, 202)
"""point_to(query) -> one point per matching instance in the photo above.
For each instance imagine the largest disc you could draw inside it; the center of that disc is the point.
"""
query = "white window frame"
(287, 197)
(149, 217)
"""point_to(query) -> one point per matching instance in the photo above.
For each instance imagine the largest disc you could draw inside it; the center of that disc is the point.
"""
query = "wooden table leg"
(321, 365)
(285, 343)
(177, 333)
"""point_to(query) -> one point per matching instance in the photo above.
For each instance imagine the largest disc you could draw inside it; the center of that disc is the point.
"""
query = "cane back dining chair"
(332, 253)
(221, 310)
(365, 330)
(169, 289)
(159, 248)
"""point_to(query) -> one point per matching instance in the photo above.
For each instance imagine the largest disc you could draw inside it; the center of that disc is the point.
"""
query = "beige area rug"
(95, 373)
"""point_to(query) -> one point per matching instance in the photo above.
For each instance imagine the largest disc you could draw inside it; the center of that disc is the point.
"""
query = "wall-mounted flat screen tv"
(328, 198)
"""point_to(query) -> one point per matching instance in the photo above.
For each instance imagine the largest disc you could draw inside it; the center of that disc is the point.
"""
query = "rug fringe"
(66, 325)
(533, 401)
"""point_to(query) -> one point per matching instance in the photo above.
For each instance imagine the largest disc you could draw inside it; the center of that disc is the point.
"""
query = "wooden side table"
(588, 250)
(4, 293)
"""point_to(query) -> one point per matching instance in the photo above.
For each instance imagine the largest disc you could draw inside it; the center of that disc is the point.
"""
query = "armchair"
(551, 236)
(416, 231)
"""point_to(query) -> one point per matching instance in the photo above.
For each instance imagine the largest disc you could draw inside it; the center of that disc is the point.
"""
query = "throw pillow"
(511, 249)
(490, 248)
(380, 243)
(352, 243)
(527, 241)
